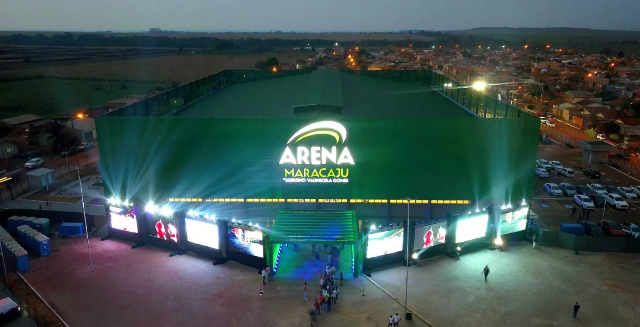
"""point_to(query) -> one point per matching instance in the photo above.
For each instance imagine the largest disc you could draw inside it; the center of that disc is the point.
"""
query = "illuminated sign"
(310, 163)
(514, 221)
(431, 235)
(471, 228)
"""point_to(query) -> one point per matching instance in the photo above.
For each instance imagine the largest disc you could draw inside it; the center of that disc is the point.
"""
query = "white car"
(636, 189)
(556, 165)
(543, 163)
(553, 189)
(597, 188)
(601, 137)
(35, 162)
(617, 201)
(583, 201)
(550, 123)
(627, 192)
(566, 172)
(631, 229)
(542, 173)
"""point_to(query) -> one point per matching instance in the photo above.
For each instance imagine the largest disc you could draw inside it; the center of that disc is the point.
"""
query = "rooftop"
(325, 93)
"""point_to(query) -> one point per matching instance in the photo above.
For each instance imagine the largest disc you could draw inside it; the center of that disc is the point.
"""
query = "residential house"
(545, 67)
(575, 96)
(595, 82)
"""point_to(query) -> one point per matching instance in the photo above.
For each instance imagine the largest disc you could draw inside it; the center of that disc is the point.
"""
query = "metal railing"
(62, 171)
(560, 137)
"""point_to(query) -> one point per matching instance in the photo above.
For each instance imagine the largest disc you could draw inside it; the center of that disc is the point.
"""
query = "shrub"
(614, 137)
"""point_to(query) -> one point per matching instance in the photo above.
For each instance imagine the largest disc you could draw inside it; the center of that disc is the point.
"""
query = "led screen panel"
(164, 229)
(382, 243)
(204, 233)
(431, 235)
(471, 228)
(124, 220)
(246, 241)
(514, 221)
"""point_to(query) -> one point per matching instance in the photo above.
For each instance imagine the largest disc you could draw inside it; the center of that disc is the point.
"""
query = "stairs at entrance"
(303, 265)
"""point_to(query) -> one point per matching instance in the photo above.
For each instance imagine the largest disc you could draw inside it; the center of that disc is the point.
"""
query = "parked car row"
(77, 149)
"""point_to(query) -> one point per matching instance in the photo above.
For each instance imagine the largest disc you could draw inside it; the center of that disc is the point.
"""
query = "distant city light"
(80, 115)
(274, 69)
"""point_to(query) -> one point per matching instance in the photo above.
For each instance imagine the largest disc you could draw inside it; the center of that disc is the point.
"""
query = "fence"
(476, 101)
(37, 308)
(588, 243)
(632, 170)
(560, 137)
(170, 101)
(62, 172)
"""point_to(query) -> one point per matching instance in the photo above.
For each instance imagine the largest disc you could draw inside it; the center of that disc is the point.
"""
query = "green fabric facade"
(316, 227)
(422, 158)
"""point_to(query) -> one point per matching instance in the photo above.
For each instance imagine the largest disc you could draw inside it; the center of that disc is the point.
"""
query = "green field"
(582, 40)
(51, 97)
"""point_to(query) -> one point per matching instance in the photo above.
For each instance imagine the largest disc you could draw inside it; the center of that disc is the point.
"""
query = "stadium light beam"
(479, 86)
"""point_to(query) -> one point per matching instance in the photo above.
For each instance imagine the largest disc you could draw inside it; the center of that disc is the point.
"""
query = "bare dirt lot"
(169, 68)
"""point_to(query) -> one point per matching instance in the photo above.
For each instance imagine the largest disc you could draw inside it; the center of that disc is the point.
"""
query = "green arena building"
(311, 157)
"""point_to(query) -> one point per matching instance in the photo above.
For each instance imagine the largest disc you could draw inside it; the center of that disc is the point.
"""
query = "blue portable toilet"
(71, 229)
(22, 260)
(42, 225)
(31, 239)
(29, 221)
(12, 224)
(572, 228)
(42, 249)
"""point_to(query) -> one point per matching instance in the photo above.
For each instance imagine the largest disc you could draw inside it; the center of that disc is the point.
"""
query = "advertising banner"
(471, 227)
(163, 228)
(123, 219)
(202, 232)
(514, 221)
(430, 235)
(246, 241)
(382, 243)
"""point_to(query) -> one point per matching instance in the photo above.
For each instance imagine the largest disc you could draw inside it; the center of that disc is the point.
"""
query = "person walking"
(264, 276)
(485, 271)
(316, 305)
(396, 320)
(534, 241)
(269, 273)
(324, 304)
(321, 300)
(334, 296)
(328, 299)
(573, 211)
(390, 321)
(313, 318)
(304, 290)
(576, 307)
(341, 278)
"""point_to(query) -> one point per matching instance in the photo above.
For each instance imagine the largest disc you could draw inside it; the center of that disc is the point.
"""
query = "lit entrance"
(330, 231)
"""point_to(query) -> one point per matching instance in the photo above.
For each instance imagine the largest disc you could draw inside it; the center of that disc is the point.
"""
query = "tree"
(620, 55)
(536, 89)
(593, 118)
(614, 137)
(272, 62)
(610, 128)
(564, 87)
(606, 95)
(466, 54)
(591, 133)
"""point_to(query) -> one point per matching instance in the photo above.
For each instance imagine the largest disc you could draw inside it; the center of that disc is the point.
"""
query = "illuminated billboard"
(202, 232)
(471, 227)
(431, 235)
(382, 243)
(164, 229)
(124, 220)
(246, 241)
(514, 221)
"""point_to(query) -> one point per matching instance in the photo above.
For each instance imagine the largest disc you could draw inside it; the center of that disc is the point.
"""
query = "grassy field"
(580, 39)
(165, 69)
(46, 97)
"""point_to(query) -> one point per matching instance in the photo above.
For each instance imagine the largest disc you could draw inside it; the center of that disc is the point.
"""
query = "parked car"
(33, 163)
(611, 228)
(556, 165)
(636, 189)
(598, 200)
(69, 152)
(30, 154)
(568, 189)
(9, 310)
(592, 229)
(543, 163)
(616, 201)
(592, 173)
(627, 192)
(601, 137)
(550, 123)
(631, 229)
(566, 172)
(581, 189)
(611, 189)
(583, 201)
(620, 155)
(597, 188)
(85, 146)
(553, 189)
(542, 173)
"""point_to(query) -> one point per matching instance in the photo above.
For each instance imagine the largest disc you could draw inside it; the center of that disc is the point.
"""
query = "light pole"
(84, 214)
(406, 282)
(4, 265)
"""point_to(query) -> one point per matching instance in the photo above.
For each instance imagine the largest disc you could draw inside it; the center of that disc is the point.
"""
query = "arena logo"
(317, 155)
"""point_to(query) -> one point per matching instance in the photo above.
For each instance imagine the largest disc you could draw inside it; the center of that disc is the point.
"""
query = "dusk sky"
(313, 15)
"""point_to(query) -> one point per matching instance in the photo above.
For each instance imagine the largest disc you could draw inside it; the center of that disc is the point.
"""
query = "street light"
(479, 86)
(84, 214)
(406, 282)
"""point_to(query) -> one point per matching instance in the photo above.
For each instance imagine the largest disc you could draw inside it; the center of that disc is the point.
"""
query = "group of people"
(328, 295)
(394, 320)
(582, 215)
(267, 274)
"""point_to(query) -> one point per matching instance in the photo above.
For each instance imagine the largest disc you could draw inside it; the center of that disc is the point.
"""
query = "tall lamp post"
(406, 282)
(84, 214)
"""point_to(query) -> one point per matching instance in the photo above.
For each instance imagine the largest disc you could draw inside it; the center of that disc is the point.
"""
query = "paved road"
(555, 210)
(20, 322)
(54, 162)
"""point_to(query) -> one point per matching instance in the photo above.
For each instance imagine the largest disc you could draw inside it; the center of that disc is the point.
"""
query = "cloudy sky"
(314, 15)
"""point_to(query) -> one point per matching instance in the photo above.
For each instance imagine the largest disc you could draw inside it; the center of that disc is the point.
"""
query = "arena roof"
(325, 93)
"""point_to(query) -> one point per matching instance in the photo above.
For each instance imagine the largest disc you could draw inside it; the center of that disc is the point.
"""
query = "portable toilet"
(12, 224)
(70, 229)
(30, 221)
(42, 225)
(22, 260)
(31, 239)
(42, 245)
